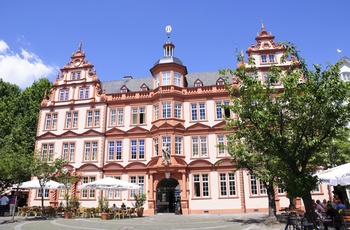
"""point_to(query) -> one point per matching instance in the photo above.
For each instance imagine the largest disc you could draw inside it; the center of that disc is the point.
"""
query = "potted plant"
(74, 204)
(104, 207)
(140, 200)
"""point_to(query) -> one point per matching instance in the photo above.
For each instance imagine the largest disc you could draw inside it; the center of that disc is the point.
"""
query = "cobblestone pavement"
(248, 221)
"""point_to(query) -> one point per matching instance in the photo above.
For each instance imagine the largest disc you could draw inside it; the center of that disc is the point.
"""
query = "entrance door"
(167, 195)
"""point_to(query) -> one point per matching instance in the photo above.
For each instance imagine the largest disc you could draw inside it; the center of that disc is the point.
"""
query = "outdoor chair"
(118, 213)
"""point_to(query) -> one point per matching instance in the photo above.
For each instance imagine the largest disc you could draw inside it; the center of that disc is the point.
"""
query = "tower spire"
(262, 26)
(80, 46)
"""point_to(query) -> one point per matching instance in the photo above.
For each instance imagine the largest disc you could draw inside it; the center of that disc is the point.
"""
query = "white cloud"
(3, 46)
(24, 68)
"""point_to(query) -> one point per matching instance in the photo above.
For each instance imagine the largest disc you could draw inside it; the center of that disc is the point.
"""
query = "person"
(123, 206)
(114, 207)
(340, 206)
(335, 217)
(12, 205)
(319, 206)
(324, 204)
(4, 200)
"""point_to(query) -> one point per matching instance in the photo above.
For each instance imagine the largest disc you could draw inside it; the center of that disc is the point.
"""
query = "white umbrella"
(109, 183)
(35, 184)
(334, 176)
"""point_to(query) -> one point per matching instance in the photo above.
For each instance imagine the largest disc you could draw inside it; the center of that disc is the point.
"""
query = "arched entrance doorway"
(168, 192)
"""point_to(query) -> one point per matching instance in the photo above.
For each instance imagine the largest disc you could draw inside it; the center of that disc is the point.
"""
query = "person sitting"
(319, 207)
(114, 207)
(123, 206)
(340, 206)
(336, 220)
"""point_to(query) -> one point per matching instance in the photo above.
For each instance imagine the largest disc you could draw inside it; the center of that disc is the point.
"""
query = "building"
(160, 132)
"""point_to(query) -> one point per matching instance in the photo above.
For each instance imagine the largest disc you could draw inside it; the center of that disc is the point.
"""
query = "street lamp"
(65, 171)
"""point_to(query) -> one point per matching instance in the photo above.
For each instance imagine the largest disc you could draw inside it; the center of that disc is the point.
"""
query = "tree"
(45, 171)
(16, 169)
(290, 126)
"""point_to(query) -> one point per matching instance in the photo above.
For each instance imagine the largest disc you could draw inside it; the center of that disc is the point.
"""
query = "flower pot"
(140, 212)
(67, 215)
(104, 215)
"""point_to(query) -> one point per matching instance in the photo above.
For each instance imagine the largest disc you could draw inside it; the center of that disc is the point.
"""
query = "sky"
(126, 37)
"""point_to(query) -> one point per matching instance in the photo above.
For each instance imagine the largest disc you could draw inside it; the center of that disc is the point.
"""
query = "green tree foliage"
(19, 111)
(287, 129)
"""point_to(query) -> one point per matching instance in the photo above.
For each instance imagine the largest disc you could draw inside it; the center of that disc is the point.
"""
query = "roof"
(134, 84)
(168, 59)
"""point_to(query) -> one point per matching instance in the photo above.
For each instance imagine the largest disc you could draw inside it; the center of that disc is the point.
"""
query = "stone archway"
(167, 195)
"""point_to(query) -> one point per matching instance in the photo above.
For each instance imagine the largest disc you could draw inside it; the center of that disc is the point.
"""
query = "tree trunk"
(272, 201)
(309, 208)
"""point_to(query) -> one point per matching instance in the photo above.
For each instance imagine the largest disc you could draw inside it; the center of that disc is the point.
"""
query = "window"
(155, 144)
(139, 180)
(263, 58)
(90, 151)
(75, 75)
(47, 151)
(271, 58)
(40, 193)
(198, 111)
(51, 121)
(68, 151)
(166, 78)
(166, 110)
(166, 142)
(64, 94)
(222, 141)
(256, 187)
(200, 185)
(71, 119)
(178, 145)
(221, 112)
(114, 194)
(227, 184)
(137, 149)
(112, 117)
(345, 76)
(88, 193)
(156, 81)
(93, 118)
(198, 83)
(84, 93)
(199, 146)
(177, 110)
(156, 112)
(123, 90)
(177, 79)
(116, 117)
(120, 116)
(267, 78)
(115, 150)
(138, 115)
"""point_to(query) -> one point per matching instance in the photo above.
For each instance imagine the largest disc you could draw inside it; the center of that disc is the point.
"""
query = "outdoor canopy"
(334, 176)
(109, 183)
(35, 184)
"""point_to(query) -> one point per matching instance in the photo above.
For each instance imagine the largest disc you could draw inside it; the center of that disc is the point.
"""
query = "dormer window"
(345, 76)
(220, 81)
(198, 83)
(75, 75)
(144, 87)
(124, 89)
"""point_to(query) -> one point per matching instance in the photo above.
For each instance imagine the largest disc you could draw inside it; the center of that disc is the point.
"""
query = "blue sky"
(126, 37)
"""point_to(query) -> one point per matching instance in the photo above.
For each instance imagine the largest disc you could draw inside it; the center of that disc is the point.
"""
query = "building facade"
(159, 132)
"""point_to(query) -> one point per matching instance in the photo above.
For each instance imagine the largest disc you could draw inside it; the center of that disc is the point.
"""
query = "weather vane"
(168, 30)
